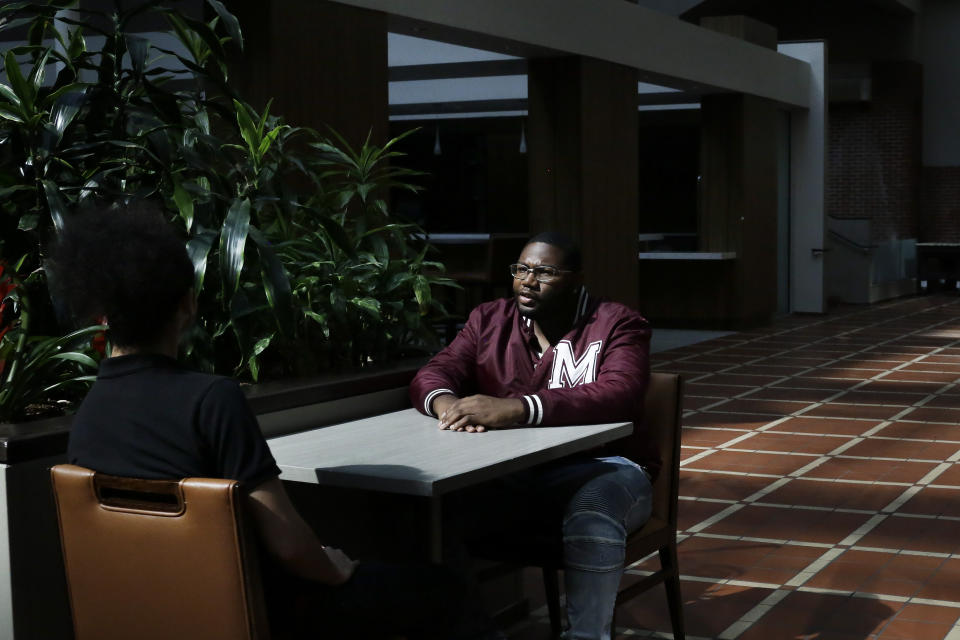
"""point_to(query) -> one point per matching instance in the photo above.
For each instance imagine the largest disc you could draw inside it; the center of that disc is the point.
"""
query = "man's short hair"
(572, 258)
(126, 263)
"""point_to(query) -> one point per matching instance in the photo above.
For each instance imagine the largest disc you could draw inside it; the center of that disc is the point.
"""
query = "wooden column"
(324, 64)
(582, 157)
(738, 160)
(738, 213)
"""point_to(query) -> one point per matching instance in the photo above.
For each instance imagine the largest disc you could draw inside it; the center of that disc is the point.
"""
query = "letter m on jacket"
(569, 371)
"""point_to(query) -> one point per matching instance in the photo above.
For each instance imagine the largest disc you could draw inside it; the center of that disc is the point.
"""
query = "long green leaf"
(248, 130)
(62, 115)
(198, 248)
(276, 284)
(77, 43)
(380, 249)
(233, 241)
(75, 356)
(369, 305)
(79, 87)
(13, 24)
(45, 347)
(69, 381)
(9, 94)
(421, 291)
(258, 348)
(230, 22)
(85, 24)
(56, 203)
(13, 7)
(397, 280)
(184, 203)
(39, 72)
(206, 34)
(137, 47)
(18, 83)
(267, 141)
(8, 114)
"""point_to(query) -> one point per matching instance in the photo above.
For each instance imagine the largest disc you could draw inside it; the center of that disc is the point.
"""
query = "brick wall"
(873, 169)
(940, 221)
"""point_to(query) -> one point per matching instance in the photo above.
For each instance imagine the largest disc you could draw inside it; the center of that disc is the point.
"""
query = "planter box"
(33, 594)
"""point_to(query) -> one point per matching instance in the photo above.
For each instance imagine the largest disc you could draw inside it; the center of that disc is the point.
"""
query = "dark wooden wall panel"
(323, 63)
(583, 166)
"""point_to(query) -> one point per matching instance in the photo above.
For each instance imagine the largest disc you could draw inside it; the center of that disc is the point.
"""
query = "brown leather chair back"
(661, 415)
(155, 559)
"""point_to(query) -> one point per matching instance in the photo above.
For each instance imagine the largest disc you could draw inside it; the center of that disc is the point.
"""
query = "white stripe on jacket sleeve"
(531, 408)
(427, 409)
(539, 409)
(535, 408)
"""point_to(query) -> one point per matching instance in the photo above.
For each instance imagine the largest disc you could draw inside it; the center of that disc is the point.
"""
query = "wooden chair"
(661, 417)
(156, 559)
(662, 413)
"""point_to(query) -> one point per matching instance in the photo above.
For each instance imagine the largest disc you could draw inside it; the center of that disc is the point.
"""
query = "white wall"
(940, 47)
(808, 159)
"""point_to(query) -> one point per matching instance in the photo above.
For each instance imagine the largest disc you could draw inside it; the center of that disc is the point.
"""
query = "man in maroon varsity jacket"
(555, 355)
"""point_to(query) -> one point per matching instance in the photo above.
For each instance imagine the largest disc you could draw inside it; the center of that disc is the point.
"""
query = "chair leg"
(668, 560)
(551, 587)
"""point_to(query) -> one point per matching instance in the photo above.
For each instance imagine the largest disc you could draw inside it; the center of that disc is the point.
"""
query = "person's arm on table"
(436, 389)
(617, 393)
(290, 539)
(439, 383)
(231, 432)
(479, 412)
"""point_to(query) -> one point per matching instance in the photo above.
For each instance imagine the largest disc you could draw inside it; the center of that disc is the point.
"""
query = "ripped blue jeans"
(596, 502)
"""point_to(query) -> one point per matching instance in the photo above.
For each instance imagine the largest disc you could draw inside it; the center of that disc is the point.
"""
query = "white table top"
(405, 452)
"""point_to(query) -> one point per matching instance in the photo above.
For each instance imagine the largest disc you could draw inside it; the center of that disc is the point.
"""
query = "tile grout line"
(835, 453)
(744, 623)
(813, 405)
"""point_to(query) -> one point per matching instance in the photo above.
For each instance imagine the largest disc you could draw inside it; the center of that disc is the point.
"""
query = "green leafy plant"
(34, 369)
(299, 264)
(361, 276)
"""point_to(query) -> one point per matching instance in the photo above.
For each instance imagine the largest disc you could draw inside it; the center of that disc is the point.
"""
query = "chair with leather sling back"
(157, 559)
(661, 418)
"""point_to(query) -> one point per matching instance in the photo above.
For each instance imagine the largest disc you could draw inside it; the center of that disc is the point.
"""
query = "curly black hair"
(126, 263)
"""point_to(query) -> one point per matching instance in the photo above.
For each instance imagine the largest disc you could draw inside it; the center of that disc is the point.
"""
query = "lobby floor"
(820, 490)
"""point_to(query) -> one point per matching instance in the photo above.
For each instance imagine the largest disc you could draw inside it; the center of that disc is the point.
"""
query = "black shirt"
(148, 417)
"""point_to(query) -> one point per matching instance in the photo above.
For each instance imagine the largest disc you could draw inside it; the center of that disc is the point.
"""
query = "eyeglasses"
(544, 273)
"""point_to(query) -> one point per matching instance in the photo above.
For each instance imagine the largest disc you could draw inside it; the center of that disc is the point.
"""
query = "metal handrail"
(865, 248)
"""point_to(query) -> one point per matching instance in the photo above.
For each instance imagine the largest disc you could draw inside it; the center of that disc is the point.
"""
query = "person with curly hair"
(147, 416)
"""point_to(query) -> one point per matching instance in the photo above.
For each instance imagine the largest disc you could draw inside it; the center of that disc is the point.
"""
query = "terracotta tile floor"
(820, 481)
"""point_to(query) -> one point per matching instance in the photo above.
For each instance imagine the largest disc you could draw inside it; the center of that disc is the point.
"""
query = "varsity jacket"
(598, 372)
